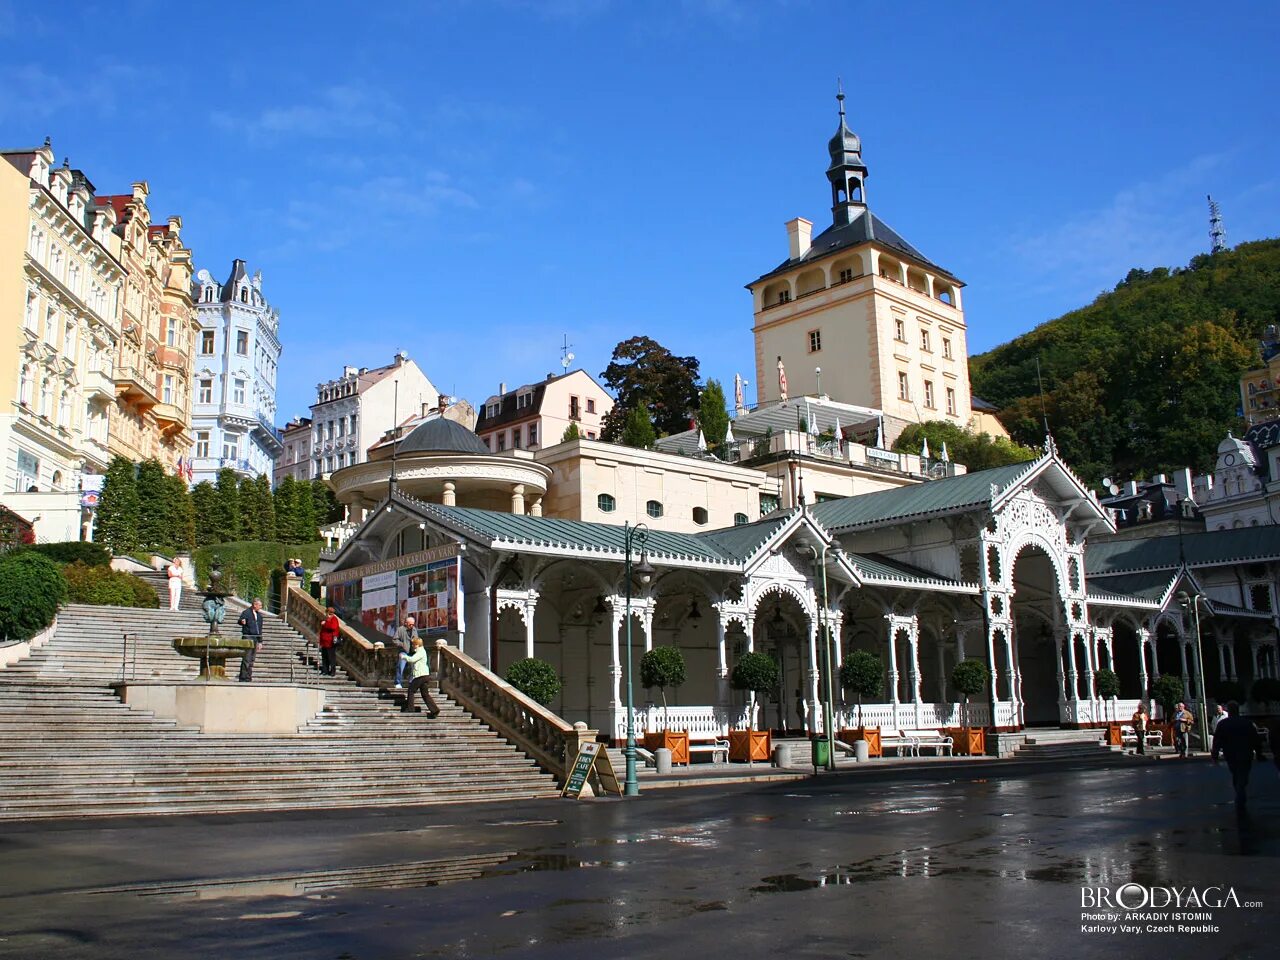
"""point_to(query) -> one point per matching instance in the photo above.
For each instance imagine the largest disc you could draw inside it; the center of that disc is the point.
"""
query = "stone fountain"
(213, 649)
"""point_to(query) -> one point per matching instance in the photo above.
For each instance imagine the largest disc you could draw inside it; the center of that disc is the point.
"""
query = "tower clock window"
(815, 341)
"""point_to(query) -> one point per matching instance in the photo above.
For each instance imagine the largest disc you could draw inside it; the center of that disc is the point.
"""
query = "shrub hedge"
(31, 588)
(106, 587)
(536, 679)
(247, 566)
(73, 551)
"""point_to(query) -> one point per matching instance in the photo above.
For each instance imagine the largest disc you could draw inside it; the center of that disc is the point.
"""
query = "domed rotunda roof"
(441, 435)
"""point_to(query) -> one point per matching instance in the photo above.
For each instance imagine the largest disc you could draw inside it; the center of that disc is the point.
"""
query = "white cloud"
(341, 110)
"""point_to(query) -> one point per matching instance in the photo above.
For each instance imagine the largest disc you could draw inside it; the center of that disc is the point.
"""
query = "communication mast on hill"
(1217, 232)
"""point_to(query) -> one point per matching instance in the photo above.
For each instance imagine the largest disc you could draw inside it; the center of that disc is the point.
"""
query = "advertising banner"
(377, 597)
(429, 593)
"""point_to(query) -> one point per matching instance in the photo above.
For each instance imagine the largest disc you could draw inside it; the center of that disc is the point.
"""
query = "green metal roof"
(1149, 585)
(921, 499)
(875, 566)
(1213, 548)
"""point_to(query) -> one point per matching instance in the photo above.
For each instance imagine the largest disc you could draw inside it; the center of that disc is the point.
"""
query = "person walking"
(1236, 739)
(250, 628)
(1183, 721)
(420, 674)
(329, 631)
(175, 572)
(406, 633)
(1219, 715)
(1140, 723)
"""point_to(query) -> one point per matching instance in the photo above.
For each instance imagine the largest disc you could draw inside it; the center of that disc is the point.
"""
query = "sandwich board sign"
(591, 756)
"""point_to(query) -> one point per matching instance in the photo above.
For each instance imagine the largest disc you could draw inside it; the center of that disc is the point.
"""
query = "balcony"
(237, 464)
(137, 385)
(99, 386)
(171, 417)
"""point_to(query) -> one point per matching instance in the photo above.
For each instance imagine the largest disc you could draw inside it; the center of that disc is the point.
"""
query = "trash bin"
(821, 751)
(663, 758)
(782, 755)
(861, 751)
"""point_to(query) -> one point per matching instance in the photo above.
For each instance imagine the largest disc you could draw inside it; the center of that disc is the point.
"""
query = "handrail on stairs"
(368, 665)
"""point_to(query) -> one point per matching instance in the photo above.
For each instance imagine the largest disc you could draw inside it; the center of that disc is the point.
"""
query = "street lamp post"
(1193, 601)
(828, 701)
(632, 535)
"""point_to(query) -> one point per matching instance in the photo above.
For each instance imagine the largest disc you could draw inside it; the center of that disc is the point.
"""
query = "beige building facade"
(859, 314)
(536, 415)
(295, 459)
(61, 281)
(151, 418)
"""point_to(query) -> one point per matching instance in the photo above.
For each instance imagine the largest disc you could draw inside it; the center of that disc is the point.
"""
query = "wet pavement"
(961, 864)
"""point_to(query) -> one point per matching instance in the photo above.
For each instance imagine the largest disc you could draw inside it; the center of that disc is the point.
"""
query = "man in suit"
(251, 629)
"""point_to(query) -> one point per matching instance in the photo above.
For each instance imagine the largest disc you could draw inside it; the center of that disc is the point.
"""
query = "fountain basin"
(213, 652)
(226, 708)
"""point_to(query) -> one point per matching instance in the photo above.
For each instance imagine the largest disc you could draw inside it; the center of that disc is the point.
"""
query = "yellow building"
(859, 314)
(60, 288)
(1260, 387)
(151, 418)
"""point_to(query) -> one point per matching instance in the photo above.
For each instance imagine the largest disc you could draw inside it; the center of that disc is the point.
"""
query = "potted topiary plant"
(755, 673)
(970, 678)
(536, 679)
(663, 667)
(1108, 686)
(1166, 690)
(862, 672)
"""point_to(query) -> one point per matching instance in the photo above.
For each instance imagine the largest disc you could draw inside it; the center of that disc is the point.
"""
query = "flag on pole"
(782, 381)
(702, 440)
(924, 449)
(739, 406)
(945, 456)
(880, 434)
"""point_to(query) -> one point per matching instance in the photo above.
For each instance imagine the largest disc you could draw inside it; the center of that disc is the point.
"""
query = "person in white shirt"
(175, 583)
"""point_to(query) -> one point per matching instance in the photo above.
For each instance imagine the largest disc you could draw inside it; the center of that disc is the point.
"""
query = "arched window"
(740, 519)
(244, 294)
(606, 503)
(700, 515)
(653, 508)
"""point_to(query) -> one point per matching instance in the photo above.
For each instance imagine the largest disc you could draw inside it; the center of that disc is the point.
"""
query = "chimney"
(502, 388)
(1160, 478)
(1182, 483)
(348, 371)
(799, 232)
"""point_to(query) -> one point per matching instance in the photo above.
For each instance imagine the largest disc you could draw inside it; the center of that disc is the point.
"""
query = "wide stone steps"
(70, 748)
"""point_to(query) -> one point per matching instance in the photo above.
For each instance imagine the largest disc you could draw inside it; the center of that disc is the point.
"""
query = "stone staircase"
(1051, 744)
(70, 748)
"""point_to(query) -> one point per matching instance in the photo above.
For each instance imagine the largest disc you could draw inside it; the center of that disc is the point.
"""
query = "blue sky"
(469, 181)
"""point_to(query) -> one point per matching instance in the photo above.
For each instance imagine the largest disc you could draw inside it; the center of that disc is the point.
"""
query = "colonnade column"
(722, 672)
(1091, 692)
(517, 499)
(893, 665)
(449, 497)
(535, 509)
(1186, 680)
(815, 713)
(1144, 639)
(646, 622)
(1073, 676)
(528, 627)
(615, 665)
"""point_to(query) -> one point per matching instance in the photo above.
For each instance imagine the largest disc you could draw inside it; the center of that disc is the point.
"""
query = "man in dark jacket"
(251, 629)
(1236, 739)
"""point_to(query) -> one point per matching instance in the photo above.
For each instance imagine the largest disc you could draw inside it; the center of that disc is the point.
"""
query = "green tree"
(663, 667)
(862, 672)
(31, 588)
(182, 517)
(571, 432)
(286, 509)
(638, 430)
(118, 507)
(536, 679)
(977, 451)
(156, 507)
(713, 417)
(249, 513)
(1108, 686)
(203, 505)
(327, 508)
(644, 373)
(304, 529)
(970, 678)
(756, 673)
(226, 506)
(1166, 690)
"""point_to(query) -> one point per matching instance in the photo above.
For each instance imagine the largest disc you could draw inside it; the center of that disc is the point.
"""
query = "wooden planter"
(1115, 738)
(869, 734)
(750, 746)
(677, 741)
(1166, 733)
(969, 741)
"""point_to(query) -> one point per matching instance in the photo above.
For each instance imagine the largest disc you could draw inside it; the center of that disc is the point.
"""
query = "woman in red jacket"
(329, 631)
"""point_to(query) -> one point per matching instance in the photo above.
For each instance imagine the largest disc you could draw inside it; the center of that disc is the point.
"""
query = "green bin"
(821, 751)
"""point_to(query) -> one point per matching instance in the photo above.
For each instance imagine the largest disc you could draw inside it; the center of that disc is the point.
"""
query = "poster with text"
(429, 593)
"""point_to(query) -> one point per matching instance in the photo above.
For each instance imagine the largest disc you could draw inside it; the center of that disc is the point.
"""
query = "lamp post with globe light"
(1192, 602)
(643, 571)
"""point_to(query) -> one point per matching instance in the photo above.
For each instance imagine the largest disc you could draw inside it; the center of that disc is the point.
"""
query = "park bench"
(933, 739)
(897, 740)
(716, 748)
(1129, 737)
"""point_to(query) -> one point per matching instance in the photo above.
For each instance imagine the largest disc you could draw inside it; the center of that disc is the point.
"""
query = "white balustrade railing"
(1006, 714)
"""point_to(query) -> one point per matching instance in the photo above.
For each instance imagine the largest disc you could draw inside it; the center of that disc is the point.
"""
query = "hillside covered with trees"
(1146, 378)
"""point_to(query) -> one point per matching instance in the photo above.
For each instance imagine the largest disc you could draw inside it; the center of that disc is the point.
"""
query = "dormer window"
(524, 400)
(244, 294)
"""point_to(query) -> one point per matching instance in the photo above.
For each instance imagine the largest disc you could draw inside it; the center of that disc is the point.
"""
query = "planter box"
(750, 746)
(1114, 736)
(969, 741)
(1166, 733)
(677, 741)
(869, 734)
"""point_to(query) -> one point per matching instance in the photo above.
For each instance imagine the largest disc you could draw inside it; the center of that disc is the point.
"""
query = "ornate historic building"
(61, 282)
(989, 565)
(859, 314)
(237, 361)
(151, 418)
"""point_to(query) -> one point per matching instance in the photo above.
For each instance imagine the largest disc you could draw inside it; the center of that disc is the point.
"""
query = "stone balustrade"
(525, 723)
(368, 665)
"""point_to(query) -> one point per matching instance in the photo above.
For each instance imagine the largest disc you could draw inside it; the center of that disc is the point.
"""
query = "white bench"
(1129, 737)
(932, 739)
(897, 740)
(716, 748)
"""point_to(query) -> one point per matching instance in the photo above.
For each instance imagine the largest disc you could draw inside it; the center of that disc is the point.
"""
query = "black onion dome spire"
(845, 147)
